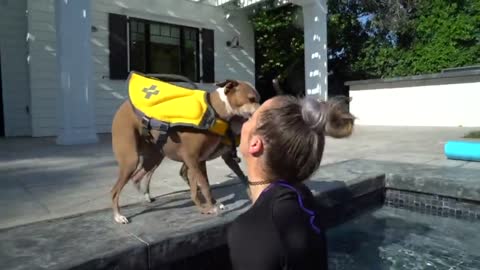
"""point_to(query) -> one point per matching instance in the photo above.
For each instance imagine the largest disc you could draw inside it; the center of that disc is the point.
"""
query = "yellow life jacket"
(172, 104)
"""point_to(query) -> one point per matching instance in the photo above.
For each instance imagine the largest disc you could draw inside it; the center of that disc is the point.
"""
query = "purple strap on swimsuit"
(300, 201)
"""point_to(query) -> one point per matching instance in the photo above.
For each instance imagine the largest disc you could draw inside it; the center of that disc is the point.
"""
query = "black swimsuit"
(278, 232)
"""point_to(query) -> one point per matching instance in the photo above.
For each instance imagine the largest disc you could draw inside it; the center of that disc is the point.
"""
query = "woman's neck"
(256, 175)
(255, 191)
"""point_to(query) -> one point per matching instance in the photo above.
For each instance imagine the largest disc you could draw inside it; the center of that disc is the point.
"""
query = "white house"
(64, 62)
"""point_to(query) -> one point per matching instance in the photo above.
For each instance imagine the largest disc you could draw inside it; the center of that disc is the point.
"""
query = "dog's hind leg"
(152, 159)
(184, 173)
(150, 172)
(125, 148)
(127, 167)
(137, 179)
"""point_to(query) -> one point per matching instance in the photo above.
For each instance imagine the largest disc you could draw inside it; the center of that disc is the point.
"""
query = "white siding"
(13, 50)
(43, 66)
(229, 63)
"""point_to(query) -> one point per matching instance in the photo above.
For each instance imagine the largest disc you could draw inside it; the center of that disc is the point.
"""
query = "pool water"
(392, 238)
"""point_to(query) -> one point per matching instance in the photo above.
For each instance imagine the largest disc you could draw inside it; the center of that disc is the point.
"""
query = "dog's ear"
(228, 85)
(222, 84)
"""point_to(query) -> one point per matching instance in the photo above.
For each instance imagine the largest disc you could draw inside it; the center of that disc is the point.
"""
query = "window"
(152, 47)
(164, 48)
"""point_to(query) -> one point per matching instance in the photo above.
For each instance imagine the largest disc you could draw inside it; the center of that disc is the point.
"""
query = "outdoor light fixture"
(234, 43)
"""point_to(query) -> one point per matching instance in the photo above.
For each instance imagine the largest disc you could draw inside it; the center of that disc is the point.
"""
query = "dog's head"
(241, 98)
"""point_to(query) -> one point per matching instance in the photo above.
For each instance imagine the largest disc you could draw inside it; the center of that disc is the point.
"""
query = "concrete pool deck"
(40, 180)
(171, 228)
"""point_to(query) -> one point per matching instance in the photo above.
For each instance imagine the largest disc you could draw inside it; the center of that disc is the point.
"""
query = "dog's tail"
(276, 86)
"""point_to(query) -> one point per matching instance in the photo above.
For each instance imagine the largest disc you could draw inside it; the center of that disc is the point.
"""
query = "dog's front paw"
(148, 198)
(121, 219)
(221, 206)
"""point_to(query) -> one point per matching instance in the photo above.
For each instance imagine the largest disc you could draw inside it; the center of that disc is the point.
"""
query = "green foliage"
(346, 37)
(441, 34)
(403, 37)
(278, 39)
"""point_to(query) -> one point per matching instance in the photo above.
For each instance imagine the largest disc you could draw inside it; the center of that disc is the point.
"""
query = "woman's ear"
(256, 145)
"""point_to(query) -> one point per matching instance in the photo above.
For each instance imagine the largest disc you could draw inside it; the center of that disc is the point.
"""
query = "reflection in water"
(398, 239)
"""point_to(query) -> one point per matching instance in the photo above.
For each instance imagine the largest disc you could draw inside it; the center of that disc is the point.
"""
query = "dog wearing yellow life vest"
(161, 120)
(226, 150)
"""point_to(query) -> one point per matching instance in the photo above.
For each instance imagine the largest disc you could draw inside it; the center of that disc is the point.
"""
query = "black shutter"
(117, 44)
(208, 60)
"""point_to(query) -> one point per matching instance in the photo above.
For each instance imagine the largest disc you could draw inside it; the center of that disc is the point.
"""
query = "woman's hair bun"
(331, 117)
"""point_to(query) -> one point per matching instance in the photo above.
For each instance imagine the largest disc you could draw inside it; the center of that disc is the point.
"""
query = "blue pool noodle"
(460, 150)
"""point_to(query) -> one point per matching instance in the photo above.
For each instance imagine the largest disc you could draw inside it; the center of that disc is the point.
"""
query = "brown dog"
(226, 151)
(138, 155)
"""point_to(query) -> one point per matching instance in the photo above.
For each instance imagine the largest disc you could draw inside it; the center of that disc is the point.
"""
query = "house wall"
(44, 80)
(422, 101)
(13, 54)
(109, 94)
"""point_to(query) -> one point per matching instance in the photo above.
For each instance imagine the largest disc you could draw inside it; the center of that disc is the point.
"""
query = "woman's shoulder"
(288, 192)
(293, 207)
(287, 198)
(281, 203)
(292, 212)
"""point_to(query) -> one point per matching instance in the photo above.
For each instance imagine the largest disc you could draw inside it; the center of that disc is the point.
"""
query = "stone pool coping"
(171, 228)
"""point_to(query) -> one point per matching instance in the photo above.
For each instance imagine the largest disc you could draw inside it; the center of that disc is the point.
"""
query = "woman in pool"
(282, 144)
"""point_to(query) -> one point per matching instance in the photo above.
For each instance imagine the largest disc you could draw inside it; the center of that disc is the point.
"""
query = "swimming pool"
(393, 238)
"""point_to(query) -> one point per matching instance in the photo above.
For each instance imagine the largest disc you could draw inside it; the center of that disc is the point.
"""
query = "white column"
(315, 31)
(75, 101)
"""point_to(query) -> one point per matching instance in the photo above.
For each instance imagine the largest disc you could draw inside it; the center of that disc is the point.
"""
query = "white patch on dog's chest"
(224, 99)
